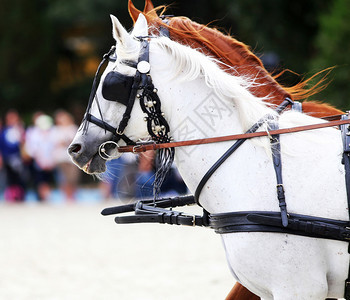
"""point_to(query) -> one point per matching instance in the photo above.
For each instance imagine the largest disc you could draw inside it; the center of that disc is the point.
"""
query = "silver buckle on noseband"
(103, 153)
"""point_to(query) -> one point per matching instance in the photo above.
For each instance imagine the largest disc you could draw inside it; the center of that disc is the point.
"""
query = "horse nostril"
(74, 149)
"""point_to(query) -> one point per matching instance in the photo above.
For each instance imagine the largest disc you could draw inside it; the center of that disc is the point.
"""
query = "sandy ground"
(70, 251)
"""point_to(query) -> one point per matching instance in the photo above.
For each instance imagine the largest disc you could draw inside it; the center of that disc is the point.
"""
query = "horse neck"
(194, 111)
(186, 101)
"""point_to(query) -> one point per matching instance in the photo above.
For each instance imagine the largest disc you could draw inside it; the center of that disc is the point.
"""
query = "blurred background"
(50, 49)
(49, 52)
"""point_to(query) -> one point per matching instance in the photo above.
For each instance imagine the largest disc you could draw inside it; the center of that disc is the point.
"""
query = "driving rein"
(125, 89)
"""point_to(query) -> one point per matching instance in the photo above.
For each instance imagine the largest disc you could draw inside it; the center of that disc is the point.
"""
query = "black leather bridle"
(124, 90)
(118, 132)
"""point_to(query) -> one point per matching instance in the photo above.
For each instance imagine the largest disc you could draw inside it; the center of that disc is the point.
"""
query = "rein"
(148, 146)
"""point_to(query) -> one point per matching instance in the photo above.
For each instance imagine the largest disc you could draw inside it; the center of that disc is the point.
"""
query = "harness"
(155, 210)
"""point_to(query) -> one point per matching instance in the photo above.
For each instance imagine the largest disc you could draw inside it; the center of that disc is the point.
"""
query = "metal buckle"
(118, 132)
(135, 148)
(347, 234)
(193, 220)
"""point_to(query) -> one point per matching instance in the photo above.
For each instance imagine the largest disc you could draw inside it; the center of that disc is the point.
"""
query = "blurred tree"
(50, 49)
(282, 32)
(285, 28)
(332, 45)
(27, 54)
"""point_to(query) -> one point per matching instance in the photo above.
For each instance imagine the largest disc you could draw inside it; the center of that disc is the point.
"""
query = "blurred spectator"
(111, 178)
(40, 146)
(11, 141)
(173, 183)
(68, 173)
(2, 171)
(145, 176)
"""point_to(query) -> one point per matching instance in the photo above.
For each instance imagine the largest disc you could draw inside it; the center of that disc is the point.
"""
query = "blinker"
(117, 87)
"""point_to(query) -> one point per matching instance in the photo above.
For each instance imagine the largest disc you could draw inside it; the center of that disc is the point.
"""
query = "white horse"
(200, 100)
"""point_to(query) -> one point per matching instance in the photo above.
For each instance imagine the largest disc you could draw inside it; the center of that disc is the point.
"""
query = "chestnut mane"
(236, 54)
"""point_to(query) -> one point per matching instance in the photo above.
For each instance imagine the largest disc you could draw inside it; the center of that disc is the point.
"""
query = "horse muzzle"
(86, 158)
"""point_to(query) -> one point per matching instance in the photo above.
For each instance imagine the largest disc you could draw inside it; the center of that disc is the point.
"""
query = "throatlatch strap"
(233, 148)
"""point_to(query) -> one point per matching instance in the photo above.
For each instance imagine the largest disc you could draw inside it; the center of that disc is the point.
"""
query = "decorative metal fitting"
(143, 67)
(155, 90)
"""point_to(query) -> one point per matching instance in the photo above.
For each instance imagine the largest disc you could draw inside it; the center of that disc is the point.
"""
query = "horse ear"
(119, 32)
(148, 6)
(149, 9)
(133, 11)
(140, 27)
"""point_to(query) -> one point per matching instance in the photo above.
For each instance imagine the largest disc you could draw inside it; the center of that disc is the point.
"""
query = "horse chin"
(95, 165)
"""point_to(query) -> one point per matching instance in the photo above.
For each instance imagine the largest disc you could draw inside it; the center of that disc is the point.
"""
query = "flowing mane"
(233, 53)
(189, 65)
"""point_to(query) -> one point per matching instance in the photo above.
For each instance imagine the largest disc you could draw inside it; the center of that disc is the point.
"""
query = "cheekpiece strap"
(277, 164)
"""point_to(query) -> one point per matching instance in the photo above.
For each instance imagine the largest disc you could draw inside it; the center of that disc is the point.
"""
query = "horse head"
(111, 115)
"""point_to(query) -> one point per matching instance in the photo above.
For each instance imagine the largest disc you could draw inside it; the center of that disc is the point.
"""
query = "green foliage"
(27, 54)
(37, 38)
(33, 41)
(332, 44)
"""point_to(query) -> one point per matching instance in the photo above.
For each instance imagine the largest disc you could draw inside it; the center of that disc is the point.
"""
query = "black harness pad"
(117, 87)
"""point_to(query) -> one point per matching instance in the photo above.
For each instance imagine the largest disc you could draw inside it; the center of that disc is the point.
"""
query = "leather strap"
(277, 164)
(248, 135)
(89, 117)
(162, 203)
(223, 158)
(150, 214)
(262, 221)
(150, 211)
(234, 147)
